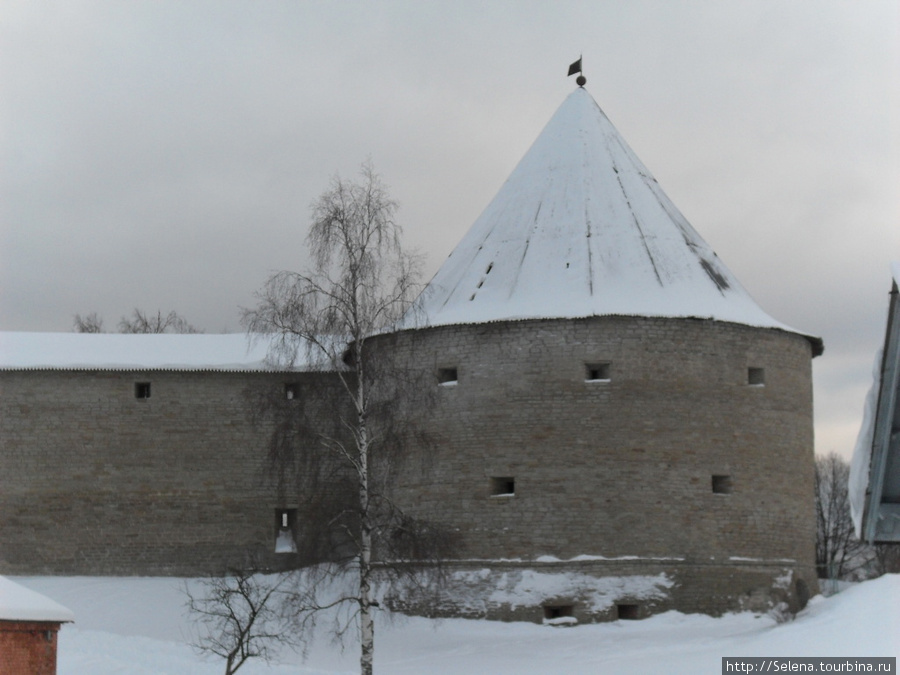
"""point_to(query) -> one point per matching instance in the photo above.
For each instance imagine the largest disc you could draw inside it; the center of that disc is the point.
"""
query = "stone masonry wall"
(678, 451)
(598, 590)
(618, 447)
(94, 480)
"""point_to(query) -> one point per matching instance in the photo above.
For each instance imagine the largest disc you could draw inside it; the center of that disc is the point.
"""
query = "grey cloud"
(164, 154)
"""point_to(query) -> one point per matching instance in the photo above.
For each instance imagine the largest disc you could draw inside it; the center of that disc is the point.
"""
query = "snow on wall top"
(581, 228)
(18, 603)
(113, 351)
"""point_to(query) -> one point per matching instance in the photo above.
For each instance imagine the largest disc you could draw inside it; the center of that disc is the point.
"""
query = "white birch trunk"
(366, 621)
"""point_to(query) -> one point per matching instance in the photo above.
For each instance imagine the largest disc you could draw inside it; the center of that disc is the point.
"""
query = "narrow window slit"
(503, 486)
(756, 377)
(560, 615)
(721, 484)
(628, 611)
(285, 526)
(597, 372)
(447, 376)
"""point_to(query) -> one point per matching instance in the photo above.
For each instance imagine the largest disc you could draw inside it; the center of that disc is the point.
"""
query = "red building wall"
(28, 647)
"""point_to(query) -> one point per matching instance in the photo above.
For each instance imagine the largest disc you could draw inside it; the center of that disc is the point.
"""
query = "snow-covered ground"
(137, 626)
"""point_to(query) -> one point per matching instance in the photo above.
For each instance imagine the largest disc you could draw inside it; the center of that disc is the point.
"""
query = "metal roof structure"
(880, 520)
(582, 228)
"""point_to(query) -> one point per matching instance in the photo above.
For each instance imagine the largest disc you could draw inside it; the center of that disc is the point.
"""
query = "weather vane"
(581, 80)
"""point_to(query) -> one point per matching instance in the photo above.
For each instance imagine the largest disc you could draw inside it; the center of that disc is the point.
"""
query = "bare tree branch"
(329, 318)
(141, 322)
(887, 559)
(240, 617)
(839, 554)
(91, 323)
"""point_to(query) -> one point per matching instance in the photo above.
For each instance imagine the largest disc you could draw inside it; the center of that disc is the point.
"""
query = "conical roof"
(582, 228)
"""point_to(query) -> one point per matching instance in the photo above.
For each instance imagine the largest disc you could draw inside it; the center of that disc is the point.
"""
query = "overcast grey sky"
(163, 155)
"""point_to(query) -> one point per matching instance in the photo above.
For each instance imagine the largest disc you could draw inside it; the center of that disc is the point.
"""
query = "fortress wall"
(624, 467)
(603, 437)
(95, 480)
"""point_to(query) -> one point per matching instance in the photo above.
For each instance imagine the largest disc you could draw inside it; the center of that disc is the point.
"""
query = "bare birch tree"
(361, 283)
(839, 554)
(138, 322)
(239, 616)
(142, 322)
(90, 323)
(887, 559)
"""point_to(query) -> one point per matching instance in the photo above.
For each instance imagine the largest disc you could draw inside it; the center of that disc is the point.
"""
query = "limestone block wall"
(99, 475)
(622, 437)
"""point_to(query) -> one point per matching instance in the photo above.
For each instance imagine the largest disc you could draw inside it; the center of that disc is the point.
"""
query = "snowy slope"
(581, 228)
(134, 627)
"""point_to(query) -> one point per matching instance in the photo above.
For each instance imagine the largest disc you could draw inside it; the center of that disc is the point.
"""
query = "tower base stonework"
(590, 591)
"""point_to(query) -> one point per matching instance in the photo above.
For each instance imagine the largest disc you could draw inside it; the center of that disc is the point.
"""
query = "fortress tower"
(621, 429)
(618, 428)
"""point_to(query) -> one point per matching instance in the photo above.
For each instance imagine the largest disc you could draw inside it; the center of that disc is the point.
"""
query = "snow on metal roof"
(581, 228)
(113, 351)
(18, 603)
(874, 484)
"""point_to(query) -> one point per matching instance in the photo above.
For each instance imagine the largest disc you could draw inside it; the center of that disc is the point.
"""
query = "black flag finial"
(581, 80)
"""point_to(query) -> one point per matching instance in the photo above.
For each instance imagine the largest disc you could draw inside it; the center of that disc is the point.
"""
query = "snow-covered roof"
(581, 228)
(874, 484)
(113, 351)
(18, 603)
